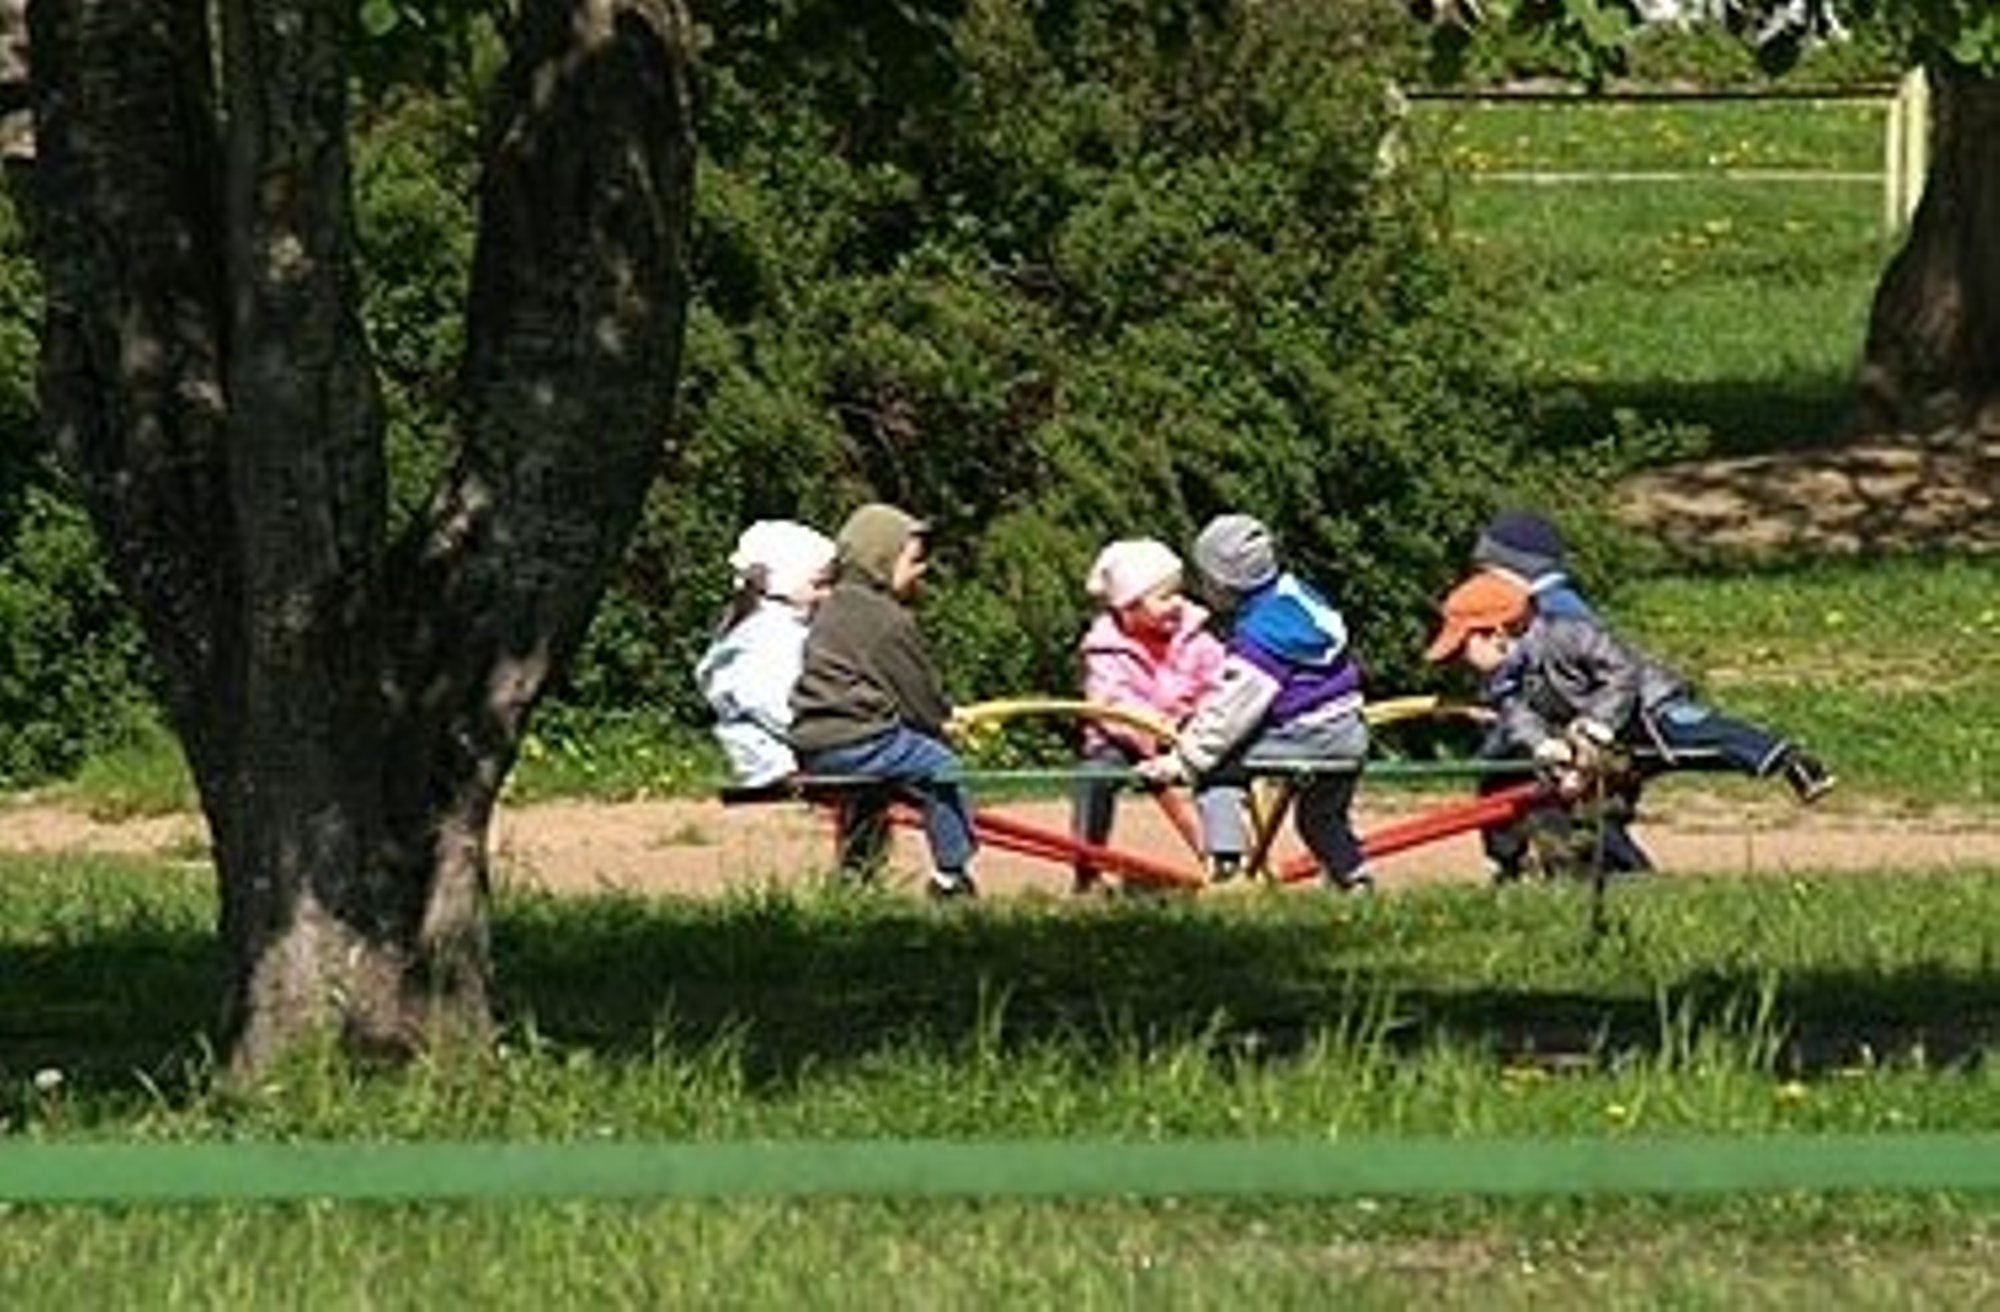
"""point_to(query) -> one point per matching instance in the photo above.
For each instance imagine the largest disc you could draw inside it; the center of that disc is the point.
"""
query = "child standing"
(1288, 692)
(1574, 689)
(1148, 650)
(869, 701)
(782, 570)
(1528, 547)
(1525, 547)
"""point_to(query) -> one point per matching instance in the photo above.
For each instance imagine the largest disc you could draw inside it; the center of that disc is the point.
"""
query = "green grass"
(1715, 1006)
(1735, 308)
(1642, 136)
(1890, 667)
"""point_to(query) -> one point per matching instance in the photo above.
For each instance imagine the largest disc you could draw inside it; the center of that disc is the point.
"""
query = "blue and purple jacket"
(1287, 660)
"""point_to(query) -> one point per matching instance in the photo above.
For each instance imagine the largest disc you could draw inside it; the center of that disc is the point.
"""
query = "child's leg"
(1093, 805)
(1326, 827)
(1689, 726)
(1221, 799)
(1321, 817)
(926, 767)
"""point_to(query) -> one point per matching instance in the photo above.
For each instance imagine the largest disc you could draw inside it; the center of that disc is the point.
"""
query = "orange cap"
(1487, 600)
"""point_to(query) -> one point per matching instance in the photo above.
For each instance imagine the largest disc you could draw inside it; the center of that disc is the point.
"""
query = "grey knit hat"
(1522, 543)
(1234, 554)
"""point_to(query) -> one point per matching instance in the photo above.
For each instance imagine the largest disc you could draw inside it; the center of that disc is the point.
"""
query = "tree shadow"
(792, 990)
(1782, 474)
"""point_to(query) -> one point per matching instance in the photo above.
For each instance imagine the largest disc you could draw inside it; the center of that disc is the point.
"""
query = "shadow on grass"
(794, 986)
(1741, 417)
(797, 988)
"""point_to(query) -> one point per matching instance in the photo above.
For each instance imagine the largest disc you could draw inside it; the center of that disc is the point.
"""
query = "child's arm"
(1228, 714)
(1112, 677)
(912, 677)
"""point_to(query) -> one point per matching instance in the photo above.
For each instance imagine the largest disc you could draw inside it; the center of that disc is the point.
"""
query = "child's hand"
(1166, 768)
(1557, 761)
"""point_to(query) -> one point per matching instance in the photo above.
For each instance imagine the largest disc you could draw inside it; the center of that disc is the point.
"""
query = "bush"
(1051, 274)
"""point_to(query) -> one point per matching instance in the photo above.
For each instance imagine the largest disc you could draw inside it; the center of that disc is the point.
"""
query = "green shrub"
(1050, 275)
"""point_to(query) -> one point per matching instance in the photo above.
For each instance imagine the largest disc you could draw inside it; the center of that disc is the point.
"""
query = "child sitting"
(1574, 689)
(1288, 692)
(1148, 650)
(869, 701)
(782, 569)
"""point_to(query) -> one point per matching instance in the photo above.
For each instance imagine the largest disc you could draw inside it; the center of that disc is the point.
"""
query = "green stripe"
(244, 1172)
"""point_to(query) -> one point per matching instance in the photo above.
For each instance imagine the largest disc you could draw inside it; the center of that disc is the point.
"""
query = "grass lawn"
(1732, 305)
(1776, 1006)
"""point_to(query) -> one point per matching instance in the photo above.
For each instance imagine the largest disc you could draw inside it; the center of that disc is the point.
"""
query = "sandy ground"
(692, 847)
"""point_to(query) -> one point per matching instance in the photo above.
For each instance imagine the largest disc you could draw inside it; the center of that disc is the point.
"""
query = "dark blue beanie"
(1522, 542)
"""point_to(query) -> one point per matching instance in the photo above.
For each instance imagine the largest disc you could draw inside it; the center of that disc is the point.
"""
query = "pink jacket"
(1120, 670)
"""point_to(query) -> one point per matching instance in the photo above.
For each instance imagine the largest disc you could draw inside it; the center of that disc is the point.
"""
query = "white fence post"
(1906, 151)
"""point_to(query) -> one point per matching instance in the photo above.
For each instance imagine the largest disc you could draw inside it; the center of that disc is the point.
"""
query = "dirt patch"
(699, 848)
(1877, 494)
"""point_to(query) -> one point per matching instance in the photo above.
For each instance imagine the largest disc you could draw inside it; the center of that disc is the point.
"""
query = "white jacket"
(746, 676)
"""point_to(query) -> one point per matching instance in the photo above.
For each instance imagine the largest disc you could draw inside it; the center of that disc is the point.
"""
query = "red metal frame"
(1010, 834)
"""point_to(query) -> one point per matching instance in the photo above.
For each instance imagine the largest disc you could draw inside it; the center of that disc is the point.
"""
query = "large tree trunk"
(1933, 355)
(350, 707)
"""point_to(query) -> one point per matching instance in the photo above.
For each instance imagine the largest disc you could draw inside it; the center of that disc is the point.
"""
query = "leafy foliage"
(1049, 273)
(1055, 273)
(1592, 40)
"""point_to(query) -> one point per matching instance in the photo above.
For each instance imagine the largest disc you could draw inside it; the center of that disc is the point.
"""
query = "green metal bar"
(261, 1172)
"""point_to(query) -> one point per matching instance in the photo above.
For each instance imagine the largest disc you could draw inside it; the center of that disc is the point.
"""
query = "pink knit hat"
(1127, 570)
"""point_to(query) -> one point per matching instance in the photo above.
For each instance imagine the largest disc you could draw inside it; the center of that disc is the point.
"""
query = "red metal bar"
(1018, 836)
(1497, 807)
(1130, 865)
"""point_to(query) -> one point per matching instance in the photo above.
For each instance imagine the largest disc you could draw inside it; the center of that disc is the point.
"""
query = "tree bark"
(350, 707)
(1932, 361)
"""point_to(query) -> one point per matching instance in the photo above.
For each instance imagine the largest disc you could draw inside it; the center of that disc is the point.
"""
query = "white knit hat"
(1127, 570)
(791, 555)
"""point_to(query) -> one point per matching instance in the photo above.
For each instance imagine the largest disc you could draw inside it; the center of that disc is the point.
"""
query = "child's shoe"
(951, 886)
(1809, 779)
(1356, 883)
(1224, 866)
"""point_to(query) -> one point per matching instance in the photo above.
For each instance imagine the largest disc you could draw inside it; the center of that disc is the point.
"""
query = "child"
(1574, 689)
(869, 701)
(1527, 548)
(1148, 650)
(746, 675)
(1289, 691)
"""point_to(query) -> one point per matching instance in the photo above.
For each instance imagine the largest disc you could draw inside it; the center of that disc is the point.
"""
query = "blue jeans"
(922, 767)
(1685, 725)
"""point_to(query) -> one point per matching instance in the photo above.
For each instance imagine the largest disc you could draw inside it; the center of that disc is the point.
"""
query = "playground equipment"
(1272, 795)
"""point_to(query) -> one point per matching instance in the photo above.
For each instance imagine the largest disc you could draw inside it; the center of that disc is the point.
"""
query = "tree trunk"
(350, 707)
(1933, 354)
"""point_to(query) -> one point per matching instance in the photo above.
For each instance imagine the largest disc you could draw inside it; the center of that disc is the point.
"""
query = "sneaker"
(1809, 779)
(1224, 866)
(1356, 883)
(951, 885)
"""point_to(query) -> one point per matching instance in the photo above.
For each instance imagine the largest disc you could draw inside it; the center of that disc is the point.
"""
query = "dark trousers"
(1094, 804)
(1563, 835)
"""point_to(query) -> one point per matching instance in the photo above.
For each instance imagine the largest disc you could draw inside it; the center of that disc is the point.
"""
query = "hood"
(872, 538)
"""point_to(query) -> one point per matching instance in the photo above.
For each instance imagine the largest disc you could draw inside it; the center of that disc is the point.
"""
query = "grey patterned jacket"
(1567, 669)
